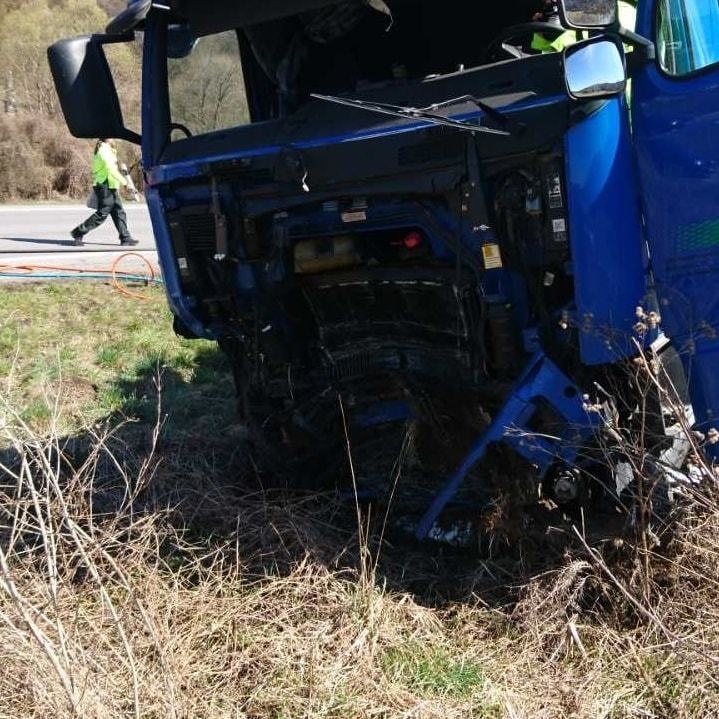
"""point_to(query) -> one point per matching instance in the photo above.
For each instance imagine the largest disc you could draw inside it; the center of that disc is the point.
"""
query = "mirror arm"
(105, 39)
(130, 18)
(644, 51)
(130, 136)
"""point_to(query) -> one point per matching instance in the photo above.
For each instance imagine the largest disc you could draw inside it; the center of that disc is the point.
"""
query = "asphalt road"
(40, 235)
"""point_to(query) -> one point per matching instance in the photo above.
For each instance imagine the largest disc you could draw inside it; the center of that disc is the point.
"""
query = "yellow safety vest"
(105, 169)
(539, 42)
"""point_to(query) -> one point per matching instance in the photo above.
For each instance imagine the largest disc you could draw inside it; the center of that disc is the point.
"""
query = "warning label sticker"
(559, 228)
(492, 256)
(354, 216)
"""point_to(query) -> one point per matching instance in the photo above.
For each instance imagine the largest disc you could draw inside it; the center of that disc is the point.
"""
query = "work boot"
(77, 238)
(128, 241)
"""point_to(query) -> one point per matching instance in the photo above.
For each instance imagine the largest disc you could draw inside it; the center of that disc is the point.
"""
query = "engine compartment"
(407, 319)
(412, 259)
(439, 270)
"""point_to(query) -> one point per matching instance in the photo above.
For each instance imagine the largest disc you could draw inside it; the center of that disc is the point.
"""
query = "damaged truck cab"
(427, 239)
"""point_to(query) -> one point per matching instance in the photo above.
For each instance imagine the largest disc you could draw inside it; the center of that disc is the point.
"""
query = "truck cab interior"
(415, 53)
(352, 45)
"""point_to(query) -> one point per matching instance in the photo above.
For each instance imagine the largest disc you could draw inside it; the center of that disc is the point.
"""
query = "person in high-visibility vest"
(550, 13)
(106, 182)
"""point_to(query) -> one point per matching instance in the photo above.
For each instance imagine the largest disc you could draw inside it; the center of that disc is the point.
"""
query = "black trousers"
(108, 203)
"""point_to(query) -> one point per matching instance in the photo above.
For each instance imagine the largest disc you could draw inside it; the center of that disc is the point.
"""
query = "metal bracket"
(541, 381)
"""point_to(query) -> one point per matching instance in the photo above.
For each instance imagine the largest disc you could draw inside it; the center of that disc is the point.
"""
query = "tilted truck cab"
(429, 238)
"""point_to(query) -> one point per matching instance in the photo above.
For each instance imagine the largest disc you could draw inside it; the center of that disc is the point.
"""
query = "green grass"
(101, 352)
(433, 671)
(108, 356)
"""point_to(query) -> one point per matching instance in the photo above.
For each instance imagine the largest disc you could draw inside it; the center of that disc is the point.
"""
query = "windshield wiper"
(502, 118)
(425, 113)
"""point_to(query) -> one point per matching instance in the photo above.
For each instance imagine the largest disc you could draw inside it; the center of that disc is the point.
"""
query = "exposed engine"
(403, 321)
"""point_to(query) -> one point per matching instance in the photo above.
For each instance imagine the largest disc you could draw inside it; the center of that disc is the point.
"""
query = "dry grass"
(148, 574)
(114, 605)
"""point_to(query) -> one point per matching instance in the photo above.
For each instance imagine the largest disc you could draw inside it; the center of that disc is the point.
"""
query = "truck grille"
(198, 228)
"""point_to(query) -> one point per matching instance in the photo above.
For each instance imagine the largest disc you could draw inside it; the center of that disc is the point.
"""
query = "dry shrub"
(39, 160)
(116, 614)
(114, 603)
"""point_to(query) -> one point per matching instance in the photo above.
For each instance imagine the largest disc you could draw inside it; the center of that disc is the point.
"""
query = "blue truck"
(427, 238)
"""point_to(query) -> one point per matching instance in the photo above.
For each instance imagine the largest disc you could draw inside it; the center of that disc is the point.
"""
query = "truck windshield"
(207, 90)
(348, 47)
(687, 35)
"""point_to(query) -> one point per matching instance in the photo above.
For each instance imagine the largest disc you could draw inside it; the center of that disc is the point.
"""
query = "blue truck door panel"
(608, 264)
(676, 128)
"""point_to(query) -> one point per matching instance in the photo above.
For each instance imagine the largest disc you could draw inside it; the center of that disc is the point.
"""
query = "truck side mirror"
(588, 14)
(86, 89)
(595, 69)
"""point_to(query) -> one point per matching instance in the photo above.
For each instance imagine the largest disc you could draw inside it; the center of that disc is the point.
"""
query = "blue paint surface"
(676, 128)
(605, 233)
(160, 174)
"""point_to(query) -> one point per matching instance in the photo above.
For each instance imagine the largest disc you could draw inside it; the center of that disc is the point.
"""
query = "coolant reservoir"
(325, 254)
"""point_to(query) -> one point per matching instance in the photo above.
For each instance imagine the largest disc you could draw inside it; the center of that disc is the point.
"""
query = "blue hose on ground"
(82, 276)
(63, 272)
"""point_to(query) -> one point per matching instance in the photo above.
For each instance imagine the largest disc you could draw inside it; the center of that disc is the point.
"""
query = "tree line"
(39, 159)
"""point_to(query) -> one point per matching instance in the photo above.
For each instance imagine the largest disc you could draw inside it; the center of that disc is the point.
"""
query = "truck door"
(675, 112)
